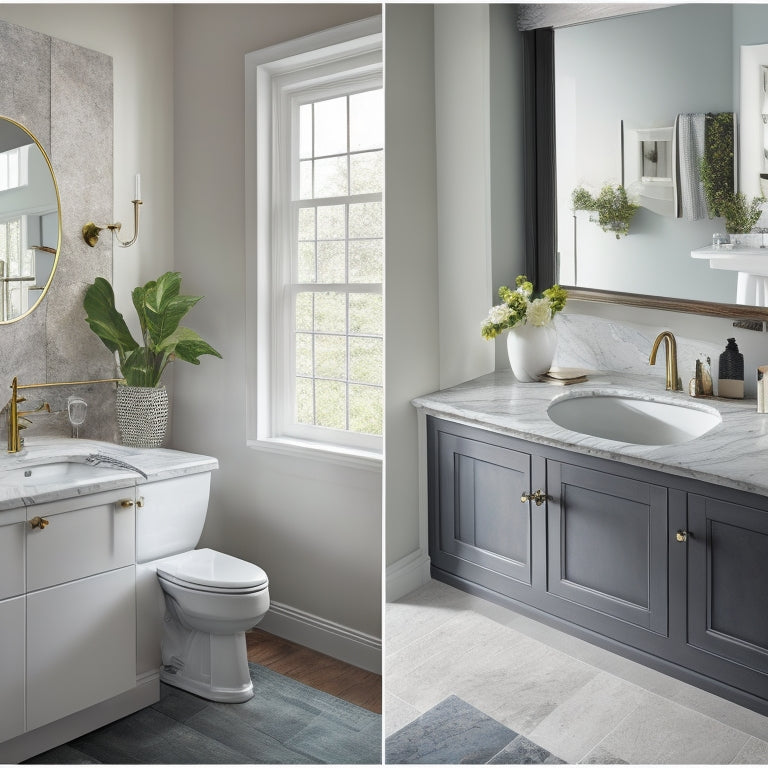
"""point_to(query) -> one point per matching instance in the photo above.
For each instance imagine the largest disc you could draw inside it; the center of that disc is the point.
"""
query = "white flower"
(539, 312)
(499, 314)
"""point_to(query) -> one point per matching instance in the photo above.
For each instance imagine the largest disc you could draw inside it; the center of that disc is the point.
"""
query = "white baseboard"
(407, 574)
(325, 636)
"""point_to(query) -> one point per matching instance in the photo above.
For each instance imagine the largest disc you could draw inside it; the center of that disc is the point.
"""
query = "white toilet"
(210, 599)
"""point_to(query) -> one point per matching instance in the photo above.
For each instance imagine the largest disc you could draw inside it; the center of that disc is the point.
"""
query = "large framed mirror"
(603, 100)
(30, 221)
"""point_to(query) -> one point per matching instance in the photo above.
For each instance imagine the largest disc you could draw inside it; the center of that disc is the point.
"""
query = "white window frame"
(314, 63)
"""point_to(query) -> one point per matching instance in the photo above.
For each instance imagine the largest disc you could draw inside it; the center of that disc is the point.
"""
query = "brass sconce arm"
(91, 231)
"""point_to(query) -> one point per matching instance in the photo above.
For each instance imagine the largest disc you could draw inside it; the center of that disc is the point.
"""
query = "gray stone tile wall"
(62, 93)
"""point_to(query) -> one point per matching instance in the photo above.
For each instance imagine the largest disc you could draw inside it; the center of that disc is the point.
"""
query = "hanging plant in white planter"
(612, 206)
(142, 402)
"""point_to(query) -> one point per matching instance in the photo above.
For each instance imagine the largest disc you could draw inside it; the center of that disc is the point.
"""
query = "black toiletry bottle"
(731, 372)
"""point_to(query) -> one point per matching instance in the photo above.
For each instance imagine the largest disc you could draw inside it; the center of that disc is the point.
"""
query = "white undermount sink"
(55, 472)
(632, 419)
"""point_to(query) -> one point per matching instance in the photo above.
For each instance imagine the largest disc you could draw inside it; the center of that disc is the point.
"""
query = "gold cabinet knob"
(126, 503)
(38, 522)
(539, 497)
(682, 535)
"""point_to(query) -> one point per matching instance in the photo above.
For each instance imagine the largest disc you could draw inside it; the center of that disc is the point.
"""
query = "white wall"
(411, 337)
(445, 231)
(462, 139)
(314, 527)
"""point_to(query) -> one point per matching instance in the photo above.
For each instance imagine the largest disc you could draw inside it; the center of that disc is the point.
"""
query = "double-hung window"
(315, 231)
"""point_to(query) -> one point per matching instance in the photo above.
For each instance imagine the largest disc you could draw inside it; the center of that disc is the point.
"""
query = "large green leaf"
(187, 345)
(104, 319)
(164, 307)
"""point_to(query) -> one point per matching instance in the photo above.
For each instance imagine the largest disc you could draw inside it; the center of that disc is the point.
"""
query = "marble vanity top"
(155, 463)
(733, 454)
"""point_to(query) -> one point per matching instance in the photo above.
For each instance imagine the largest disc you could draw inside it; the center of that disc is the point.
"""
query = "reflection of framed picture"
(648, 165)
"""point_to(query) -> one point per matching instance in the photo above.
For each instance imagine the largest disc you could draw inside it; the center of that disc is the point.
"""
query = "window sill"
(306, 449)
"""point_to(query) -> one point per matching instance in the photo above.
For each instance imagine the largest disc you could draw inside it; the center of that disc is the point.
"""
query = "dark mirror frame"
(540, 184)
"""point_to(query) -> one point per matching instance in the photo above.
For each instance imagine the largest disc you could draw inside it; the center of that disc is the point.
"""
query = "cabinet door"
(728, 580)
(480, 530)
(607, 544)
(12, 634)
(12, 557)
(85, 535)
(81, 644)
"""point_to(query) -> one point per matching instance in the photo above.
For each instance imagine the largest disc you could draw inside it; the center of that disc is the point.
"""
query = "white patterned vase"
(531, 350)
(142, 415)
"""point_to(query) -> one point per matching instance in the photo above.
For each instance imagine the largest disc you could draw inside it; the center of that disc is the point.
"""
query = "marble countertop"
(155, 463)
(732, 454)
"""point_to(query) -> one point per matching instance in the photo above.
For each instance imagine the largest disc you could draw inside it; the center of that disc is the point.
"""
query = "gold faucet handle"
(43, 407)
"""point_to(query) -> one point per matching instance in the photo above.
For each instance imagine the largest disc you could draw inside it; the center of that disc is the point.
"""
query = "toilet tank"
(170, 515)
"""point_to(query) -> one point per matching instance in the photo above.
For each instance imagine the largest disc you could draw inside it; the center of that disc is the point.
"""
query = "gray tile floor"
(285, 722)
(580, 702)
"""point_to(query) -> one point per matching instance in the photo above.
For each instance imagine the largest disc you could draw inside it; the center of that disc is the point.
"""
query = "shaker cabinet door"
(480, 529)
(728, 581)
(607, 545)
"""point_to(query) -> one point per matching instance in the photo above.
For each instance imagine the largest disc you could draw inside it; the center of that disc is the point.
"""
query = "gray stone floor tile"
(245, 736)
(63, 755)
(662, 732)
(453, 732)
(522, 751)
(754, 752)
(149, 737)
(600, 756)
(399, 713)
(583, 720)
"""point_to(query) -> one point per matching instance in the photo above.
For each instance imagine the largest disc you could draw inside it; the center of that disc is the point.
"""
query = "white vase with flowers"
(526, 316)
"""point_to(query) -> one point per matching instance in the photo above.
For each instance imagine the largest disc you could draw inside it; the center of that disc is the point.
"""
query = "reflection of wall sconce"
(91, 231)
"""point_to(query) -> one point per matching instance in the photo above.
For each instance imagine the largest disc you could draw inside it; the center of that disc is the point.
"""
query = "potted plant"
(142, 402)
(741, 214)
(613, 207)
(527, 315)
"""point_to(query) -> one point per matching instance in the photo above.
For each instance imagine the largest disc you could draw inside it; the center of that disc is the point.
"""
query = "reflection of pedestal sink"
(750, 263)
(632, 419)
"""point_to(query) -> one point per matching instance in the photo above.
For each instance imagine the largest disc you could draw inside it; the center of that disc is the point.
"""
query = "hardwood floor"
(355, 685)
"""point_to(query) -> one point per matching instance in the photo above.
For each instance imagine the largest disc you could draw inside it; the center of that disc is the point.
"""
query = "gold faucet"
(15, 416)
(673, 380)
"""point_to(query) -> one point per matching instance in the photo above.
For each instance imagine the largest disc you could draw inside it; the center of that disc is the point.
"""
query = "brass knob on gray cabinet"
(38, 522)
(126, 503)
(682, 535)
(537, 496)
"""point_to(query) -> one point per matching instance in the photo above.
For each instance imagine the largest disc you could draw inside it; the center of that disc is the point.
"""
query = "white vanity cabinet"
(12, 622)
(81, 604)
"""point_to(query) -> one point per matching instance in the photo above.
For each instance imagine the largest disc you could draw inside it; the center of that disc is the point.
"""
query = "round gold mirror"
(30, 221)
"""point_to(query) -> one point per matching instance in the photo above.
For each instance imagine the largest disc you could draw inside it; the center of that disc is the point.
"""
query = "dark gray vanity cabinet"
(664, 569)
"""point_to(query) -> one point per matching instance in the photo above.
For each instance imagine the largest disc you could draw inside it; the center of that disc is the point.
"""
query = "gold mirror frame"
(47, 285)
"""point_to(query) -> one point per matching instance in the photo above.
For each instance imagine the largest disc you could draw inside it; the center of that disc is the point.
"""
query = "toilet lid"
(208, 568)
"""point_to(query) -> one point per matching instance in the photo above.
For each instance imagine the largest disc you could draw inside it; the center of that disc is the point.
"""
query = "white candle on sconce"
(138, 187)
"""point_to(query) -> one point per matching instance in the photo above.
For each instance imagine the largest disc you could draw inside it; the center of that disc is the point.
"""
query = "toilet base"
(214, 667)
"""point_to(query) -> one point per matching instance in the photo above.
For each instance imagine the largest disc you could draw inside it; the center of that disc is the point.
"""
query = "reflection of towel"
(689, 130)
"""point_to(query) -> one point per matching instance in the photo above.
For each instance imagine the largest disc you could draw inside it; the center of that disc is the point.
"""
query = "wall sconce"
(91, 231)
